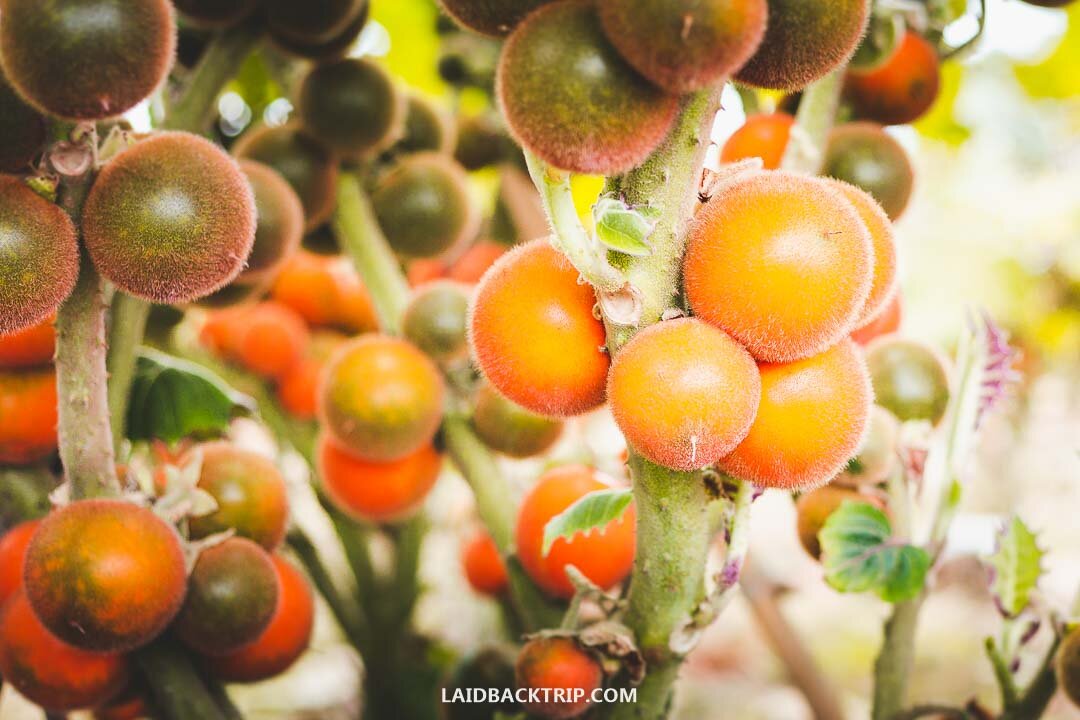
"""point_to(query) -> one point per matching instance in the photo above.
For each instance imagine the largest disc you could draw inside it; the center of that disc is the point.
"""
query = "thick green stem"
(127, 324)
(362, 239)
(177, 690)
(815, 118)
(893, 666)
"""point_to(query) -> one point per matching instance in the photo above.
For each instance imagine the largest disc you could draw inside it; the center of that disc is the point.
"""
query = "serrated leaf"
(623, 229)
(592, 511)
(1017, 565)
(859, 555)
(173, 399)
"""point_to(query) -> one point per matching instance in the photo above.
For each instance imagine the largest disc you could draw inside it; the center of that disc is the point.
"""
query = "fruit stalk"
(813, 121)
(127, 324)
(177, 690)
(893, 665)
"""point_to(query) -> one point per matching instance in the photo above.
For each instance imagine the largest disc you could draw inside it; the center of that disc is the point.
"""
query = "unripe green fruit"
(685, 45)
(910, 379)
(279, 221)
(570, 98)
(39, 256)
(86, 59)
(312, 21)
(436, 320)
(482, 142)
(305, 163)
(866, 156)
(427, 128)
(506, 427)
(333, 49)
(490, 17)
(1067, 665)
(804, 41)
(171, 219)
(423, 206)
(22, 130)
(215, 14)
(352, 107)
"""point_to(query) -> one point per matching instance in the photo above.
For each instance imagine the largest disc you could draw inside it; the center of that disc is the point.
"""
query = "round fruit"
(381, 398)
(333, 49)
(864, 155)
(22, 130)
(1049, 3)
(506, 427)
(483, 565)
(814, 508)
(762, 136)
(901, 90)
(352, 106)
(234, 295)
(558, 663)
(490, 17)
(326, 291)
(804, 41)
(877, 453)
(13, 546)
(315, 21)
(423, 206)
(285, 638)
(604, 556)
(250, 494)
(377, 491)
(829, 392)
(279, 221)
(437, 320)
(1067, 666)
(604, 120)
(887, 322)
(490, 667)
(232, 596)
(28, 348)
(298, 389)
(272, 339)
(40, 259)
(51, 673)
(883, 287)
(170, 219)
(305, 163)
(475, 261)
(910, 379)
(684, 393)
(534, 335)
(86, 59)
(27, 416)
(685, 45)
(781, 262)
(482, 142)
(105, 575)
(215, 14)
(427, 128)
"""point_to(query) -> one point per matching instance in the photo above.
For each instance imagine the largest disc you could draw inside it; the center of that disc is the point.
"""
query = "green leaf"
(859, 555)
(592, 511)
(623, 229)
(173, 399)
(1017, 565)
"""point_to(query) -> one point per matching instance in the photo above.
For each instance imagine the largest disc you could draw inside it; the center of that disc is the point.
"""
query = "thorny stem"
(127, 325)
(815, 118)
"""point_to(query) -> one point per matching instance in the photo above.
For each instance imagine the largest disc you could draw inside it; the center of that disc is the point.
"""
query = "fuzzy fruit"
(352, 106)
(900, 91)
(279, 226)
(483, 565)
(761, 136)
(509, 428)
(863, 154)
(558, 663)
(910, 379)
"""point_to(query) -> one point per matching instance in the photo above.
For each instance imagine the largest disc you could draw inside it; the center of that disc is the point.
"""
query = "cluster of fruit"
(97, 579)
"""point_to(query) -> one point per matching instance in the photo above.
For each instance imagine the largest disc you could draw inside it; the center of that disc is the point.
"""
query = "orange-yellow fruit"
(558, 664)
(534, 335)
(31, 347)
(40, 259)
(814, 508)
(27, 416)
(804, 41)
(887, 322)
(781, 262)
(900, 91)
(884, 243)
(272, 339)
(326, 291)
(298, 389)
(475, 261)
(381, 398)
(506, 427)
(812, 418)
(279, 226)
(171, 219)
(570, 98)
(377, 491)
(22, 130)
(490, 17)
(866, 156)
(685, 45)
(86, 59)
(352, 106)
(684, 393)
(761, 136)
(483, 565)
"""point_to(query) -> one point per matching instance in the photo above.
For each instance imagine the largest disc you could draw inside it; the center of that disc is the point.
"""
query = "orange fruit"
(30, 347)
(814, 508)
(326, 291)
(888, 321)
(475, 261)
(902, 89)
(762, 136)
(559, 664)
(273, 338)
(13, 546)
(483, 565)
(28, 416)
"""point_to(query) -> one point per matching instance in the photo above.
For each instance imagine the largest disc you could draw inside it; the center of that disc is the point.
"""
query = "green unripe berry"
(910, 379)
(436, 320)
(866, 156)
(312, 21)
(508, 428)
(279, 225)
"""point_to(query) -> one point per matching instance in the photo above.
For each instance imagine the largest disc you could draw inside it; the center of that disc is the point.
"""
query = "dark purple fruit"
(279, 225)
(22, 131)
(311, 21)
(215, 14)
(333, 49)
(490, 17)
(351, 106)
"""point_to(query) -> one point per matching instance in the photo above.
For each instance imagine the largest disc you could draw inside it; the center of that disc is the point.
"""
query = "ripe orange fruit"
(684, 393)
(813, 415)
(13, 546)
(887, 322)
(298, 389)
(762, 136)
(30, 347)
(814, 508)
(534, 335)
(273, 338)
(558, 663)
(27, 416)
(326, 291)
(105, 575)
(781, 262)
(380, 398)
(883, 240)
(604, 556)
(285, 638)
(475, 261)
(48, 671)
(483, 565)
(902, 89)
(377, 491)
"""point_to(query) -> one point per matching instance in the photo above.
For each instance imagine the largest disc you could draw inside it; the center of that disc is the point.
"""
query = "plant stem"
(893, 665)
(1039, 692)
(177, 690)
(127, 325)
(815, 118)
(363, 241)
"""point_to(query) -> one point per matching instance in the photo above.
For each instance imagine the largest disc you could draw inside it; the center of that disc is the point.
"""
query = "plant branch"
(1004, 676)
(177, 690)
(815, 118)
(127, 325)
(1033, 702)
(895, 660)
